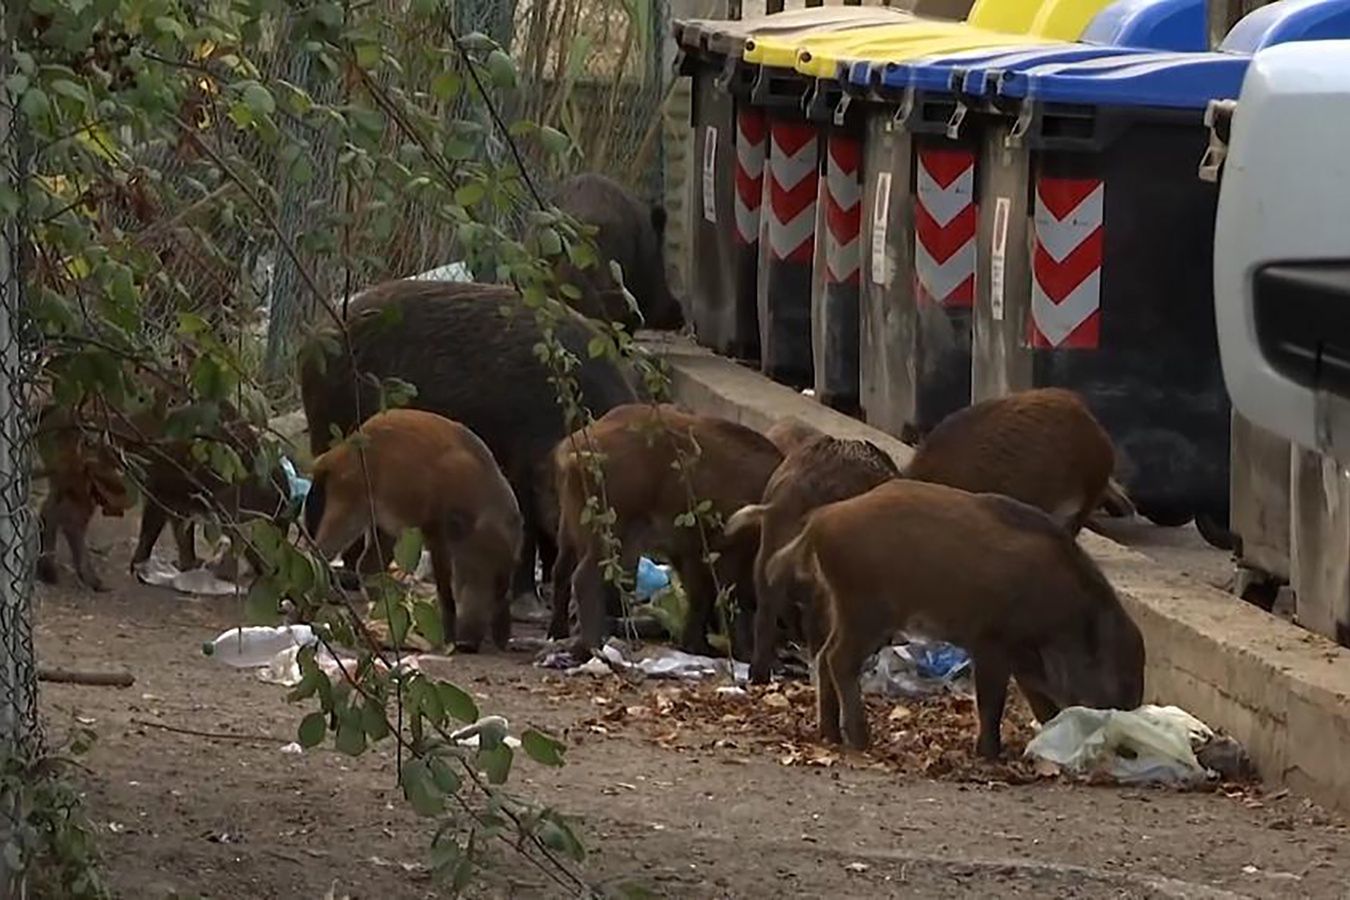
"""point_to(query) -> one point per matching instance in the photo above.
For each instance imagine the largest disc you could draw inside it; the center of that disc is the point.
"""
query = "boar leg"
(827, 700)
(702, 590)
(46, 562)
(501, 618)
(153, 519)
(588, 587)
(767, 603)
(563, 567)
(844, 660)
(442, 569)
(185, 537)
(991, 695)
(75, 526)
(1042, 707)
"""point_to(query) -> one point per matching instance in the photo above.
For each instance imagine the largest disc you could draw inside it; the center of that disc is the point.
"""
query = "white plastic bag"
(1151, 744)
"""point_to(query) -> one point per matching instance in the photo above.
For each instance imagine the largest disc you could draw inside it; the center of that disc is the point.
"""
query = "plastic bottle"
(254, 646)
(651, 579)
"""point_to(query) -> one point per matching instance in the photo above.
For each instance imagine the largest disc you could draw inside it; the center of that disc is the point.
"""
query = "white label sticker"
(881, 213)
(710, 175)
(1002, 209)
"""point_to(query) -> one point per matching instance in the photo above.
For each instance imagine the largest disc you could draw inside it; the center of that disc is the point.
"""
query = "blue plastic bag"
(651, 579)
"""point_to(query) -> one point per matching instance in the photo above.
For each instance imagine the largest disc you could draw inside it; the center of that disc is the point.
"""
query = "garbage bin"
(729, 143)
(915, 335)
(1119, 302)
(788, 281)
(834, 330)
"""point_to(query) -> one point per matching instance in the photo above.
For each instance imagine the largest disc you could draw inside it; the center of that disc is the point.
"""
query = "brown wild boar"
(822, 470)
(1041, 446)
(431, 473)
(790, 433)
(641, 448)
(988, 573)
(83, 476)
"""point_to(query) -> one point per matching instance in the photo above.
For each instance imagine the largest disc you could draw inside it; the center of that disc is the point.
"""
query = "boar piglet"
(433, 474)
(981, 571)
(1041, 446)
(654, 460)
(823, 470)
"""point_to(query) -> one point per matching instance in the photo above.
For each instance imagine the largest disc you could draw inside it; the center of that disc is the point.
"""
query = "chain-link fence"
(18, 670)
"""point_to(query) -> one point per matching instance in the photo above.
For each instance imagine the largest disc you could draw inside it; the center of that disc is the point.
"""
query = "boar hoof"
(465, 647)
(46, 570)
(988, 748)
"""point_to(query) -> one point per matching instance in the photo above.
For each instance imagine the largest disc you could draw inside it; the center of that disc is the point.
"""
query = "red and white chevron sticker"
(1066, 285)
(750, 134)
(792, 185)
(842, 192)
(944, 226)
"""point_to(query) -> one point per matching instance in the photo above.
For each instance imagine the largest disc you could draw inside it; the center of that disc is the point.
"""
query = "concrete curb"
(1283, 692)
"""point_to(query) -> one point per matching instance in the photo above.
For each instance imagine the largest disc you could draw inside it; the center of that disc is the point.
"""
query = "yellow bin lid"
(728, 36)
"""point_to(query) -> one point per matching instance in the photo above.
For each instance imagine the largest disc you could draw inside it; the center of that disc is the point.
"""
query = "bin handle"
(1021, 126)
(841, 109)
(958, 116)
(728, 72)
(905, 108)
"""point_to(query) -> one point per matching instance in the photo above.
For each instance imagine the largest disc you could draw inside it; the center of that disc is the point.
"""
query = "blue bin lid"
(1174, 81)
(1289, 20)
(1154, 24)
(981, 79)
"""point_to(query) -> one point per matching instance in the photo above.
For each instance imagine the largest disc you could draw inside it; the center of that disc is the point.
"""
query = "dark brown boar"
(655, 460)
(1041, 446)
(823, 470)
(982, 571)
(430, 473)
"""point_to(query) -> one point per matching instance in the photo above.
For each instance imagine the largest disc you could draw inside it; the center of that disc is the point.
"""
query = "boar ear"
(659, 219)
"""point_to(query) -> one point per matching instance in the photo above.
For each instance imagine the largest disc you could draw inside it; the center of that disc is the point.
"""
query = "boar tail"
(790, 561)
(1116, 501)
(743, 520)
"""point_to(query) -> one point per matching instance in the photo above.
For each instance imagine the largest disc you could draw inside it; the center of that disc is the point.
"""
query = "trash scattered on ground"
(916, 669)
(299, 485)
(292, 748)
(664, 663)
(257, 645)
(652, 579)
(495, 727)
(202, 581)
(1148, 745)
(455, 271)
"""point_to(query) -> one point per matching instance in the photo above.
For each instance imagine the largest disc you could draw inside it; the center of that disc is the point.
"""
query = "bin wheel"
(1167, 516)
(1260, 591)
(1214, 532)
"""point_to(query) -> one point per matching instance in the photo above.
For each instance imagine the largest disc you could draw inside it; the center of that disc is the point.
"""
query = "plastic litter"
(1148, 745)
(298, 484)
(455, 271)
(492, 726)
(257, 645)
(652, 579)
(672, 664)
(202, 582)
(916, 669)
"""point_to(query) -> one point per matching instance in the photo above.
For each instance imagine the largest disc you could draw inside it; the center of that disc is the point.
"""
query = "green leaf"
(446, 778)
(35, 104)
(427, 700)
(554, 141)
(446, 85)
(9, 200)
(408, 550)
(170, 26)
(71, 90)
(259, 100)
(263, 604)
(351, 733)
(399, 623)
(420, 789)
(541, 748)
(312, 729)
(595, 348)
(427, 619)
(373, 720)
(470, 193)
(477, 41)
(495, 763)
(557, 835)
(501, 69)
(457, 702)
(368, 55)
(550, 243)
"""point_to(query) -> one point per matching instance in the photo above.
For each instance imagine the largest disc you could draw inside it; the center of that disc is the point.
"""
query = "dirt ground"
(698, 814)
